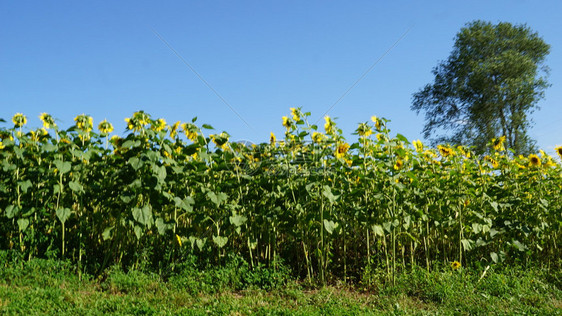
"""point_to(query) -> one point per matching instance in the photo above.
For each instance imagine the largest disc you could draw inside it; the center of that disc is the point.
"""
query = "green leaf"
(143, 215)
(128, 144)
(160, 172)
(161, 226)
(207, 126)
(330, 226)
(76, 187)
(519, 245)
(327, 192)
(476, 228)
(201, 243)
(494, 257)
(135, 162)
(138, 231)
(63, 214)
(185, 204)
(22, 224)
(12, 211)
(237, 220)
(217, 198)
(220, 241)
(62, 166)
(24, 185)
(49, 147)
(407, 221)
(107, 233)
(467, 244)
(378, 230)
(387, 226)
(402, 138)
(494, 205)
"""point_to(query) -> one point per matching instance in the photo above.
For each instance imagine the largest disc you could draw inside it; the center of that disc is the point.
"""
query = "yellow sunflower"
(558, 150)
(534, 160)
(286, 122)
(364, 130)
(296, 114)
(465, 153)
(105, 127)
(190, 131)
(19, 120)
(399, 164)
(455, 265)
(329, 125)
(377, 122)
(272, 139)
(47, 120)
(317, 137)
(445, 151)
(492, 161)
(497, 143)
(418, 145)
(84, 122)
(220, 140)
(173, 129)
(158, 125)
(341, 150)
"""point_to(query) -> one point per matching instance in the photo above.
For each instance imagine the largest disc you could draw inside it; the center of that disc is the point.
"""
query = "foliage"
(487, 87)
(25, 288)
(166, 197)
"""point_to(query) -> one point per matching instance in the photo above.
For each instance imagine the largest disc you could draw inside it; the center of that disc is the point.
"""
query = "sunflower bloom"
(492, 161)
(329, 125)
(463, 152)
(220, 140)
(158, 125)
(341, 150)
(534, 160)
(272, 139)
(549, 163)
(455, 265)
(105, 127)
(47, 120)
(84, 122)
(497, 143)
(317, 137)
(364, 130)
(1, 145)
(137, 121)
(418, 145)
(558, 150)
(286, 122)
(399, 164)
(174, 129)
(19, 120)
(377, 122)
(296, 115)
(190, 131)
(445, 151)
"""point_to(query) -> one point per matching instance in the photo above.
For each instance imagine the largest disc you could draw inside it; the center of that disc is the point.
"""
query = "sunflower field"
(328, 208)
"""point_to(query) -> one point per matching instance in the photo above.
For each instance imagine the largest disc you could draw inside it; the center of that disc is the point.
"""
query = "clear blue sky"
(102, 58)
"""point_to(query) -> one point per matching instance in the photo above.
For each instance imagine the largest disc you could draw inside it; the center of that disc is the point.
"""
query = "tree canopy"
(487, 88)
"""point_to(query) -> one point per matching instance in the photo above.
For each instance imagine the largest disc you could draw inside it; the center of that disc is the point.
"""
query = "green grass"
(53, 287)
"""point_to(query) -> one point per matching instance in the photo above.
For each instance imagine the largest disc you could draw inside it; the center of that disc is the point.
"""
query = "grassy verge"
(53, 287)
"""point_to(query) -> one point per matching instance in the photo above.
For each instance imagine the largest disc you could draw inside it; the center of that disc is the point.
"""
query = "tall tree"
(487, 87)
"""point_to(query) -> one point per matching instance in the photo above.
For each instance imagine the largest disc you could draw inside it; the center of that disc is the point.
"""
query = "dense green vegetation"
(53, 287)
(326, 210)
